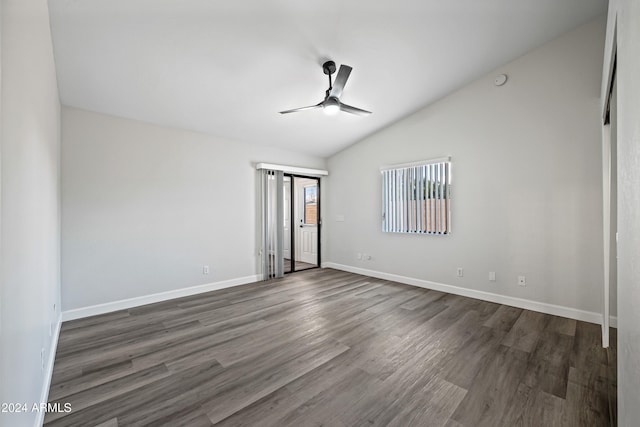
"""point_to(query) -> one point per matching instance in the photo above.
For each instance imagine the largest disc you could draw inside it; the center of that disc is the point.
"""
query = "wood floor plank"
(189, 417)
(546, 408)
(225, 312)
(113, 422)
(261, 341)
(331, 348)
(130, 336)
(432, 406)
(504, 318)
(423, 300)
(587, 348)
(463, 364)
(562, 325)
(378, 406)
(587, 406)
(86, 380)
(525, 332)
(204, 339)
(548, 366)
(328, 406)
(103, 392)
(265, 412)
(99, 321)
(233, 399)
(150, 397)
(482, 406)
(532, 407)
(129, 349)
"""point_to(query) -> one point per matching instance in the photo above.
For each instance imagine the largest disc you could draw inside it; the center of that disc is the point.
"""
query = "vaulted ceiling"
(227, 68)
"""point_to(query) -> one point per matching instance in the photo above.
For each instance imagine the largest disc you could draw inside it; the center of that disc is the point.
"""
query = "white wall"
(527, 192)
(30, 213)
(145, 207)
(628, 145)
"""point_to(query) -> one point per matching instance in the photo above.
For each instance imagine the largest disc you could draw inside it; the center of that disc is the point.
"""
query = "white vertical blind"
(272, 183)
(416, 197)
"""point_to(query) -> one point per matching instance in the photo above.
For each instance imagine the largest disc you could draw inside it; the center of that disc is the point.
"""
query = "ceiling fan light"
(331, 107)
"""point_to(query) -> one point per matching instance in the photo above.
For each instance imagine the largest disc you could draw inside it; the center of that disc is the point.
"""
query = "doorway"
(301, 246)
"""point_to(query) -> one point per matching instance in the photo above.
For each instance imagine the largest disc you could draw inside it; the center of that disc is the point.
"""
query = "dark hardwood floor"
(329, 348)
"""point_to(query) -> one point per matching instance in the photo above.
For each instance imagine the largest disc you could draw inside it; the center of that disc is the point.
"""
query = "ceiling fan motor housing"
(329, 67)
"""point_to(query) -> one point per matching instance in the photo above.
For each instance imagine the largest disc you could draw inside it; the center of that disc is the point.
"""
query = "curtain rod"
(413, 164)
(292, 169)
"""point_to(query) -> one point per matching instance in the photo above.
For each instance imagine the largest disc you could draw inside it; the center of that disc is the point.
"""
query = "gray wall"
(145, 207)
(30, 212)
(527, 192)
(628, 145)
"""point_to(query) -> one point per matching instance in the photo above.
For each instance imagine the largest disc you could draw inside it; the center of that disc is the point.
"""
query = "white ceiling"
(227, 68)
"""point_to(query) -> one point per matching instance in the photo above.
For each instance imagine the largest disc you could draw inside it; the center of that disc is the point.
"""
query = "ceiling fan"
(331, 103)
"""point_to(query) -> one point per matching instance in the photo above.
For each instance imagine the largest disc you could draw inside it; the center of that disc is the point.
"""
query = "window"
(416, 197)
(311, 205)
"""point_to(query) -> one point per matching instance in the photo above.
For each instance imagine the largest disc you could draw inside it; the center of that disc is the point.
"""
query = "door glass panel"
(306, 202)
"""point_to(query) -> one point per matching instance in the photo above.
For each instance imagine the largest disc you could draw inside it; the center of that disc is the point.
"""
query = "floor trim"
(109, 307)
(48, 373)
(556, 310)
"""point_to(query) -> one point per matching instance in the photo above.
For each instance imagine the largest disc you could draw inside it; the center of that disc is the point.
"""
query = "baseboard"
(48, 372)
(556, 310)
(124, 304)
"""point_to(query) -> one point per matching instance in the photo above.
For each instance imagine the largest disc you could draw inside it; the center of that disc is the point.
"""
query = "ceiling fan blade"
(341, 80)
(353, 110)
(295, 110)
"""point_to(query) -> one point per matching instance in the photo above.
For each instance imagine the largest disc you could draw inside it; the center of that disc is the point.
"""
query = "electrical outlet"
(492, 276)
(459, 272)
(205, 269)
(522, 281)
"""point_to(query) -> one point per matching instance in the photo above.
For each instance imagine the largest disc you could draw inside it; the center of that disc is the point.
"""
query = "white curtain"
(272, 187)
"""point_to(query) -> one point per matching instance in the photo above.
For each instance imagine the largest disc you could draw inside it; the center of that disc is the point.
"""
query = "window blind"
(416, 197)
(272, 184)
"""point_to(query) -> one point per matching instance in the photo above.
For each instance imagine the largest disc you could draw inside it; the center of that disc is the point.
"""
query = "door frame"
(607, 182)
(292, 246)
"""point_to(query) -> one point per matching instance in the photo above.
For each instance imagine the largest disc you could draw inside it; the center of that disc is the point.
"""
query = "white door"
(307, 220)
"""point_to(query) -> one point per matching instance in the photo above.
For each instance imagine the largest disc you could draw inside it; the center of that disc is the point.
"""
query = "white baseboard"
(556, 310)
(48, 371)
(94, 310)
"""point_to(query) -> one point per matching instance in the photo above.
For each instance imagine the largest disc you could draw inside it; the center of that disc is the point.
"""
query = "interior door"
(307, 221)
